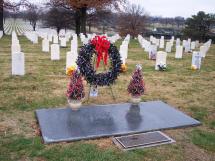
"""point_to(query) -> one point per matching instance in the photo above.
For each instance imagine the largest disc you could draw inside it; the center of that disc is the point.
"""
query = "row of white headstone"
(160, 56)
(32, 36)
(71, 56)
(113, 39)
(124, 49)
(18, 57)
(1, 34)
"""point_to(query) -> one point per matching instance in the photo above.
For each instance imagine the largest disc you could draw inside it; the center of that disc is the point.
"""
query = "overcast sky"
(173, 8)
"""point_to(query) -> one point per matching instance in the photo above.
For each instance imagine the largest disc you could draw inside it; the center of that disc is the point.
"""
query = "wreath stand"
(110, 86)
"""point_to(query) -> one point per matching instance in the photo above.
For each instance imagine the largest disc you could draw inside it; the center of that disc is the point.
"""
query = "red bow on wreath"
(101, 45)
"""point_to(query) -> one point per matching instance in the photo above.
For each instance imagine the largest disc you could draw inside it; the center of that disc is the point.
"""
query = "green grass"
(44, 86)
(204, 139)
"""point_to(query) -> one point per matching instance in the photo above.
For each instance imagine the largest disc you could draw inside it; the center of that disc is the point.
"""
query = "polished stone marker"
(109, 120)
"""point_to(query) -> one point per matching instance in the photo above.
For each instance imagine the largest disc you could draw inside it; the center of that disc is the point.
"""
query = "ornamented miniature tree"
(137, 86)
(75, 89)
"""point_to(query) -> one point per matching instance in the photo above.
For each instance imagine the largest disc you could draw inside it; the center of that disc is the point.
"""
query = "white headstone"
(71, 59)
(15, 48)
(184, 43)
(187, 47)
(122, 52)
(50, 37)
(18, 64)
(1, 34)
(193, 45)
(55, 52)
(74, 45)
(178, 42)
(162, 43)
(161, 59)
(203, 51)
(34, 38)
(197, 43)
(63, 42)
(179, 52)
(55, 41)
(196, 59)
(153, 52)
(168, 47)
(45, 45)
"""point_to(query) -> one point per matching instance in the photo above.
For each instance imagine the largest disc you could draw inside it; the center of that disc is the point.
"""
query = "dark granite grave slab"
(109, 120)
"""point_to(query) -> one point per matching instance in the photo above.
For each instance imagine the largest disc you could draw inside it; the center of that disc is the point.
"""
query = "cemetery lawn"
(44, 86)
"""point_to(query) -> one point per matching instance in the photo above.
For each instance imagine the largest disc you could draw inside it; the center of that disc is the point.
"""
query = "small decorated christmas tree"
(137, 86)
(75, 89)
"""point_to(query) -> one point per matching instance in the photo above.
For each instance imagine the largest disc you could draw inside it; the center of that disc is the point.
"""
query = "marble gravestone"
(123, 53)
(153, 52)
(179, 52)
(15, 48)
(160, 59)
(203, 51)
(1, 34)
(74, 45)
(35, 38)
(45, 45)
(60, 125)
(55, 52)
(187, 47)
(162, 43)
(55, 40)
(63, 42)
(18, 63)
(178, 42)
(50, 37)
(193, 45)
(197, 43)
(168, 47)
(196, 59)
(71, 58)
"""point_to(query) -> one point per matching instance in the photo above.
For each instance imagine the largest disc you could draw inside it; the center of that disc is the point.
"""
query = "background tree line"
(105, 15)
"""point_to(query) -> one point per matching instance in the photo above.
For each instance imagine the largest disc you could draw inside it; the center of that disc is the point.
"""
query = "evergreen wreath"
(86, 65)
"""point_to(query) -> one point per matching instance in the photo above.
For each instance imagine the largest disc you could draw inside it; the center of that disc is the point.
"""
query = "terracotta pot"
(74, 104)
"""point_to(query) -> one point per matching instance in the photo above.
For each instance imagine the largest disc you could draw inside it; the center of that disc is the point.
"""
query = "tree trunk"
(34, 27)
(77, 22)
(83, 18)
(103, 29)
(1, 16)
(58, 30)
(89, 27)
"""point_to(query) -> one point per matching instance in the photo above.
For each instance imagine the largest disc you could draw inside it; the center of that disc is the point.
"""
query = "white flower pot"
(74, 104)
(135, 100)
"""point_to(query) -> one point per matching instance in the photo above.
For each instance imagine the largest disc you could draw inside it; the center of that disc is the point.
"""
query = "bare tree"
(82, 7)
(58, 18)
(33, 15)
(132, 21)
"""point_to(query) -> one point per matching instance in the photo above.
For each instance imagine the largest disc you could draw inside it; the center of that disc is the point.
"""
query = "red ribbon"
(101, 45)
